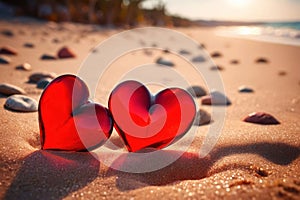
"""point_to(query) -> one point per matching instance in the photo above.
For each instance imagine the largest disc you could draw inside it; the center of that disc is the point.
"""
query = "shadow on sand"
(54, 175)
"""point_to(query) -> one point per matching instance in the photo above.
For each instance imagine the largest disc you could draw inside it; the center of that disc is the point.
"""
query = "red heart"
(68, 121)
(143, 120)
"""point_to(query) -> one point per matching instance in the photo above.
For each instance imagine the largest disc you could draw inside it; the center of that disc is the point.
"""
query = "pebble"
(216, 68)
(215, 98)
(166, 51)
(35, 77)
(261, 60)
(8, 51)
(202, 46)
(8, 89)
(245, 89)
(282, 73)
(216, 54)
(41, 84)
(24, 67)
(48, 57)
(4, 60)
(184, 52)
(7, 33)
(202, 117)
(197, 91)
(65, 52)
(234, 62)
(261, 118)
(28, 45)
(198, 59)
(164, 61)
(21, 103)
(55, 40)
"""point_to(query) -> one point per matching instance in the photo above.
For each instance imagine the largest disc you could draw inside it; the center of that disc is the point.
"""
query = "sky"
(238, 10)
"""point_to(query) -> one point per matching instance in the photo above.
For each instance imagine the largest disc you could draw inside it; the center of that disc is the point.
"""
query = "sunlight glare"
(239, 3)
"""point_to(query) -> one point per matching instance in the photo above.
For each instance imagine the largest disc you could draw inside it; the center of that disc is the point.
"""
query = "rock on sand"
(35, 77)
(261, 118)
(215, 98)
(9, 89)
(21, 103)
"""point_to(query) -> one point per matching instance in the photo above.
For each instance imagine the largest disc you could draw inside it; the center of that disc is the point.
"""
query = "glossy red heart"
(68, 121)
(143, 120)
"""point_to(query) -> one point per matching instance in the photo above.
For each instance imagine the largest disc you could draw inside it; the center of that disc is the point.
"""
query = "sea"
(275, 32)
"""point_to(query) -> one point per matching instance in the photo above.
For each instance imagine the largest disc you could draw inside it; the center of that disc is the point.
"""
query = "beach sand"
(249, 160)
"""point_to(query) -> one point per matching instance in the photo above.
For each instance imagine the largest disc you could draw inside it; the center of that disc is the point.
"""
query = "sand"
(249, 160)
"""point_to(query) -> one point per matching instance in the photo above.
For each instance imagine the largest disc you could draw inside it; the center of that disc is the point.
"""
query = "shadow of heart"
(190, 167)
(53, 175)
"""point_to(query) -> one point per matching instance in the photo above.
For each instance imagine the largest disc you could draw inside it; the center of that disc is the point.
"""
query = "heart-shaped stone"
(143, 120)
(68, 120)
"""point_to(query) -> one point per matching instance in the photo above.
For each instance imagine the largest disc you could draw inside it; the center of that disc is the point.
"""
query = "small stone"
(202, 46)
(164, 61)
(28, 45)
(55, 40)
(65, 52)
(261, 60)
(261, 118)
(8, 89)
(184, 52)
(48, 57)
(166, 51)
(198, 59)
(8, 51)
(35, 77)
(4, 60)
(202, 117)
(41, 84)
(216, 68)
(24, 67)
(21, 103)
(215, 98)
(7, 33)
(282, 73)
(148, 52)
(197, 91)
(245, 89)
(234, 62)
(216, 54)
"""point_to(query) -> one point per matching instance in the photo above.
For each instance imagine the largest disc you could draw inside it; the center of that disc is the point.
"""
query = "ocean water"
(278, 32)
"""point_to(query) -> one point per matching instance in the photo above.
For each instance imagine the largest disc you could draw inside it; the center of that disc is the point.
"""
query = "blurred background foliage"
(104, 12)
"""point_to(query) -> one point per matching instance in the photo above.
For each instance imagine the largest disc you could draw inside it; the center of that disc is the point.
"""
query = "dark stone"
(261, 118)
